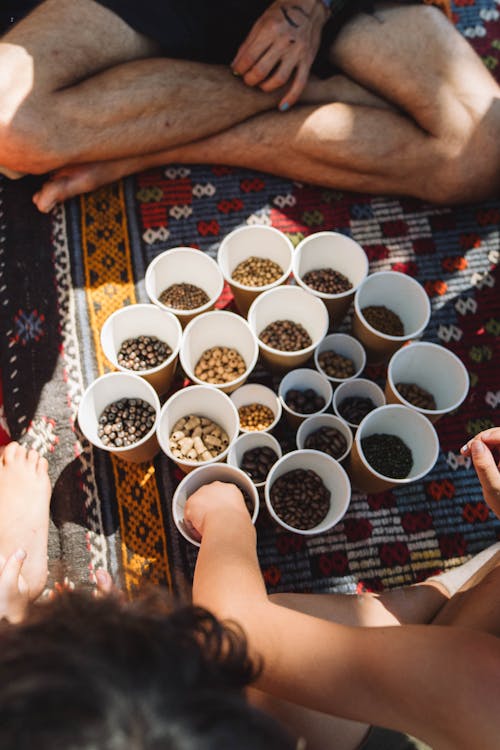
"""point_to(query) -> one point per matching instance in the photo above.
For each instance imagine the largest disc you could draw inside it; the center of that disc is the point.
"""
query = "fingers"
(490, 437)
(299, 82)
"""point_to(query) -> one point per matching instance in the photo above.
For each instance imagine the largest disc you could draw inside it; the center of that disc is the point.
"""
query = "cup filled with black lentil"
(219, 349)
(307, 492)
(326, 433)
(254, 259)
(288, 323)
(255, 453)
(339, 357)
(206, 475)
(184, 281)
(390, 308)
(303, 392)
(394, 445)
(356, 398)
(330, 266)
(144, 340)
(119, 413)
(197, 425)
(427, 377)
(259, 408)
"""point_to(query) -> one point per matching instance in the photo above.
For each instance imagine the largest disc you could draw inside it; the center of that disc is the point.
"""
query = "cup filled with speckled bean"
(197, 425)
(327, 433)
(259, 408)
(356, 398)
(254, 259)
(339, 357)
(219, 349)
(303, 392)
(394, 445)
(119, 413)
(255, 453)
(184, 281)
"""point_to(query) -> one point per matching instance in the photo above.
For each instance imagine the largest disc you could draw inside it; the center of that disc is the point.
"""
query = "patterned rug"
(61, 276)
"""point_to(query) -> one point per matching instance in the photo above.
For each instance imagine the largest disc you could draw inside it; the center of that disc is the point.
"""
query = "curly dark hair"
(82, 673)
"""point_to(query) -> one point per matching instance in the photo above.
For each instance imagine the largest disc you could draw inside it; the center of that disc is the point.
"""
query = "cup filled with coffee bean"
(184, 281)
(259, 408)
(289, 323)
(326, 433)
(219, 349)
(390, 308)
(206, 475)
(119, 413)
(197, 425)
(255, 453)
(394, 445)
(303, 392)
(307, 492)
(427, 377)
(254, 259)
(331, 266)
(339, 357)
(354, 399)
(144, 340)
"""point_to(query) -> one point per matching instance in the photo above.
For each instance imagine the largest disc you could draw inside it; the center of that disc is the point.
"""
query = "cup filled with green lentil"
(307, 492)
(255, 453)
(356, 398)
(184, 281)
(326, 433)
(339, 357)
(119, 413)
(254, 259)
(259, 408)
(303, 392)
(394, 445)
(145, 340)
(330, 266)
(427, 377)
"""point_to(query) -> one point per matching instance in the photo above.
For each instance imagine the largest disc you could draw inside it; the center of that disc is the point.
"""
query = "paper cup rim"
(333, 379)
(331, 417)
(241, 439)
(244, 287)
(277, 416)
(285, 406)
(359, 380)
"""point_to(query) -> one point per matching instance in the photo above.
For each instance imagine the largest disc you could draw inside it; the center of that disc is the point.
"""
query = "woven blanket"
(61, 276)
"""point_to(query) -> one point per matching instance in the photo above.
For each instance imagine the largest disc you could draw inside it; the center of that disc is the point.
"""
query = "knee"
(462, 177)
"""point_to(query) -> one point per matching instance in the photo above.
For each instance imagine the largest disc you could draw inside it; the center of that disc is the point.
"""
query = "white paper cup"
(346, 346)
(399, 293)
(255, 393)
(143, 320)
(432, 367)
(203, 401)
(288, 303)
(360, 387)
(312, 424)
(247, 442)
(412, 428)
(331, 250)
(104, 391)
(333, 477)
(302, 379)
(184, 265)
(206, 475)
(253, 241)
(218, 328)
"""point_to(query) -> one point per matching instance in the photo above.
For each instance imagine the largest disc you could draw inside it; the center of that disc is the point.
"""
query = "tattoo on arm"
(288, 17)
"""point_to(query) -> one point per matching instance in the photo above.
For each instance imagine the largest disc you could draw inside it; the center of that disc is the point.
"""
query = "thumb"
(10, 576)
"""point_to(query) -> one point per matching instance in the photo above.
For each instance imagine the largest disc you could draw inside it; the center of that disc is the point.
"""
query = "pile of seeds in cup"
(257, 462)
(327, 440)
(327, 280)
(125, 422)
(300, 498)
(286, 336)
(255, 417)
(388, 454)
(416, 395)
(384, 320)
(256, 271)
(304, 402)
(220, 364)
(197, 438)
(184, 296)
(354, 408)
(143, 353)
(335, 365)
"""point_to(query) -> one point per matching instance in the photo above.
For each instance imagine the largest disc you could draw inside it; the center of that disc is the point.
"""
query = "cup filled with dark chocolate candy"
(326, 433)
(119, 413)
(255, 453)
(307, 492)
(354, 399)
(303, 392)
(393, 445)
(259, 408)
(339, 357)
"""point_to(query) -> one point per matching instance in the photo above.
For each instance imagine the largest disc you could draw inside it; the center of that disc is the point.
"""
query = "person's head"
(96, 674)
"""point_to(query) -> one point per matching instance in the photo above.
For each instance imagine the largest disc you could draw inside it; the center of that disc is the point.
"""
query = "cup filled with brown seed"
(184, 281)
(327, 433)
(339, 357)
(356, 398)
(259, 408)
(390, 308)
(331, 266)
(255, 453)
(206, 475)
(307, 492)
(393, 445)
(303, 392)
(119, 413)
(427, 377)
(220, 349)
(254, 259)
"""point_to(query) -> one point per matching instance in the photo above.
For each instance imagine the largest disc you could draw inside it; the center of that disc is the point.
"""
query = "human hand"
(482, 449)
(282, 45)
(216, 497)
(14, 592)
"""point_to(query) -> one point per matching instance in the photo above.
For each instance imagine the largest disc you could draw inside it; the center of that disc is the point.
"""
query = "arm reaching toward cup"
(482, 450)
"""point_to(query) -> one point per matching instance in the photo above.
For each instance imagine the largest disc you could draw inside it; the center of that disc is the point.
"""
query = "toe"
(43, 465)
(33, 456)
(12, 452)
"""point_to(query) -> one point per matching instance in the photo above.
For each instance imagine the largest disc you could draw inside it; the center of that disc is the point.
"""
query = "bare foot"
(24, 511)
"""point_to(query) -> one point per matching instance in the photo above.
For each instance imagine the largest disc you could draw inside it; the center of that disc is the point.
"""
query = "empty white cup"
(312, 424)
(346, 346)
(302, 379)
(359, 387)
(255, 393)
(248, 441)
